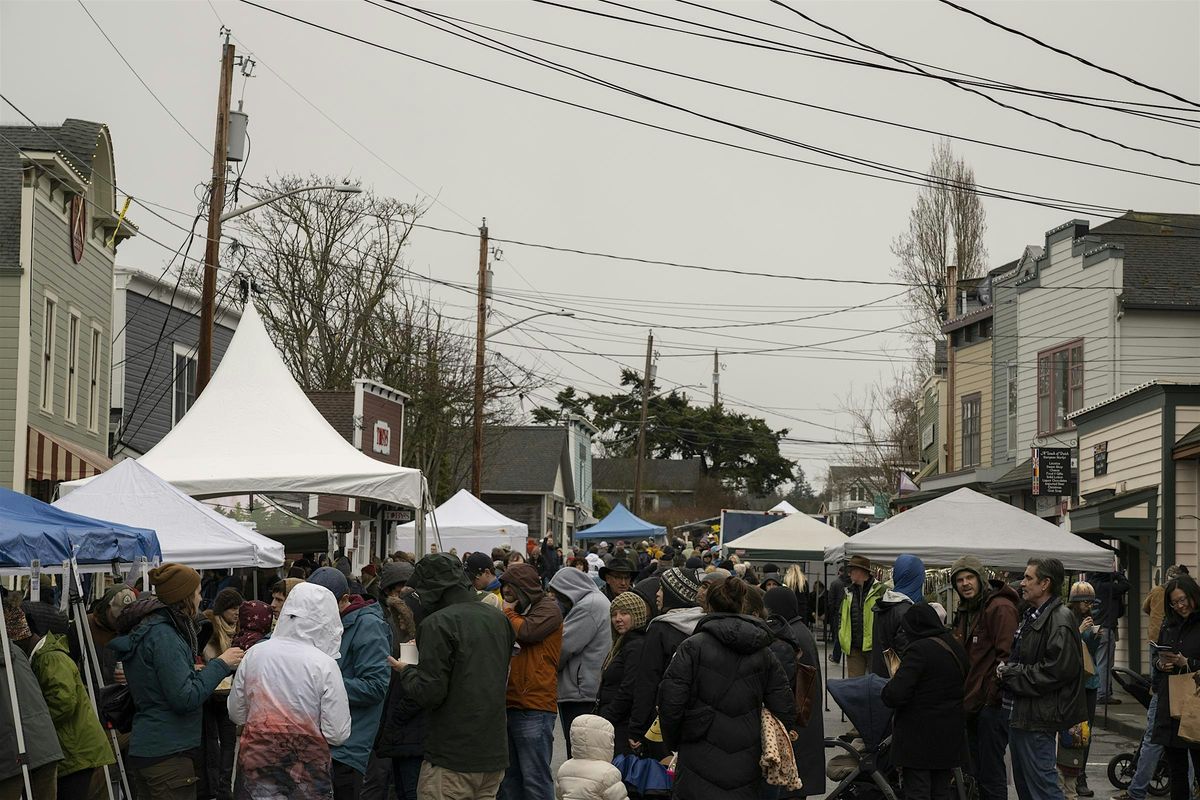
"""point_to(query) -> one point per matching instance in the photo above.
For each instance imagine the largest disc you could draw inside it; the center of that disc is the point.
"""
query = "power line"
(1062, 52)
(142, 81)
(988, 97)
(802, 104)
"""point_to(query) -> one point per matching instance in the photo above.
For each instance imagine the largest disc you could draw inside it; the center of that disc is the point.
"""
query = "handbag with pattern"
(778, 761)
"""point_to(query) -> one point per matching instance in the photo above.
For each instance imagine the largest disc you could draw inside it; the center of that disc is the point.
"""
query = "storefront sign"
(1051, 471)
(398, 515)
(381, 442)
(1100, 459)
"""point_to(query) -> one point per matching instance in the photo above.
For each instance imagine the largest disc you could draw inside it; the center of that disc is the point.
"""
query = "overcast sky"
(545, 172)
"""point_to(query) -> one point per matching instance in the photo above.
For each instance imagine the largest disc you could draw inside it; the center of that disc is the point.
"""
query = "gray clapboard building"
(154, 356)
(59, 232)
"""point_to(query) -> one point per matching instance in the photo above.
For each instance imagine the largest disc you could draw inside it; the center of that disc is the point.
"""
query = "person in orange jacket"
(532, 697)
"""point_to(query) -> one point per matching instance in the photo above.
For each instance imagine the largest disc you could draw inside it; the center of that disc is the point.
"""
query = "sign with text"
(1100, 459)
(1051, 471)
(382, 440)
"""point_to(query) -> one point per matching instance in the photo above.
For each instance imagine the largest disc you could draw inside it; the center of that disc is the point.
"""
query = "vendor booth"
(468, 525)
(796, 537)
(620, 523)
(189, 532)
(967, 523)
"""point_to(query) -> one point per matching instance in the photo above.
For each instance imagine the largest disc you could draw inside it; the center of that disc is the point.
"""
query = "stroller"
(1123, 765)
(864, 770)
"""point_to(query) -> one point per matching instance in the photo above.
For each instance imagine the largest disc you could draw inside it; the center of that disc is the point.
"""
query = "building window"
(72, 399)
(49, 322)
(1011, 409)
(93, 419)
(184, 378)
(1060, 386)
(971, 438)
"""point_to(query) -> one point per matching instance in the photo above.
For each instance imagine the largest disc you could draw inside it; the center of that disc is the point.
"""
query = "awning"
(51, 458)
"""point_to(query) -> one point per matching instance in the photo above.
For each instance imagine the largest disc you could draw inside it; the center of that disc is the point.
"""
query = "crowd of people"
(445, 677)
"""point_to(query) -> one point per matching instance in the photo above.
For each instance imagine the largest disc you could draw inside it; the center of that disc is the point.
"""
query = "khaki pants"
(856, 663)
(171, 779)
(43, 781)
(439, 783)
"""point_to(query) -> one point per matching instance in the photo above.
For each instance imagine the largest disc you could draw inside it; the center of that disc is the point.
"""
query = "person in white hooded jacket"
(587, 638)
(589, 774)
(289, 695)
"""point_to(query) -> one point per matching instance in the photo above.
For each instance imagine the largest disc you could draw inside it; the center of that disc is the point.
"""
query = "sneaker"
(1123, 795)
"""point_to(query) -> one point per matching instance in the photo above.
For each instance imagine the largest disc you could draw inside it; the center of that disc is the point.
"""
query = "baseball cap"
(478, 563)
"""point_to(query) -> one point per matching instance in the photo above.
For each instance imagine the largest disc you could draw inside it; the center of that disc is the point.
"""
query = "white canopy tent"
(189, 532)
(784, 507)
(254, 430)
(467, 524)
(965, 522)
(796, 537)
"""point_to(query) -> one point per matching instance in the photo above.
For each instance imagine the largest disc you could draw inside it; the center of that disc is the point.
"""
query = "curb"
(1123, 727)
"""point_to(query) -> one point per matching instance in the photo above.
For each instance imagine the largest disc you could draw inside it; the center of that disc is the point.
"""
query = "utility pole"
(641, 442)
(480, 337)
(216, 205)
(716, 378)
(951, 313)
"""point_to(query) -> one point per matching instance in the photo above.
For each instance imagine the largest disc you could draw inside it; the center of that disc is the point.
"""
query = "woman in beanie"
(677, 621)
(158, 648)
(630, 615)
(712, 698)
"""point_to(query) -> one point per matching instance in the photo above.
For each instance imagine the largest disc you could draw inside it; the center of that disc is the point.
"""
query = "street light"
(208, 294)
(345, 188)
(535, 316)
(481, 338)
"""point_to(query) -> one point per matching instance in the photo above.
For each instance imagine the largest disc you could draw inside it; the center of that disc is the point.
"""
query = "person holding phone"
(1180, 636)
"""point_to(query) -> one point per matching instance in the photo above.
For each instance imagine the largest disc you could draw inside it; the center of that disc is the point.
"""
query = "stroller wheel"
(1120, 770)
(1160, 781)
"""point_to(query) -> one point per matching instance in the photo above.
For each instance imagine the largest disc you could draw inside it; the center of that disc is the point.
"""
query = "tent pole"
(825, 600)
(22, 756)
(84, 633)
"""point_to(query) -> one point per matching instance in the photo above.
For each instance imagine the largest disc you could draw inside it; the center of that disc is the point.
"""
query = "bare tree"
(886, 428)
(945, 226)
(338, 304)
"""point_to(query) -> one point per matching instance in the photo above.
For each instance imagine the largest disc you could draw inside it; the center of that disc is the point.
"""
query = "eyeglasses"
(1181, 602)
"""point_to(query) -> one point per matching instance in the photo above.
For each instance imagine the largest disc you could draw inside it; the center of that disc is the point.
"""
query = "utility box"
(235, 144)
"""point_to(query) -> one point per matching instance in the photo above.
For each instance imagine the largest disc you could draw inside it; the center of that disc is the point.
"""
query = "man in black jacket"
(1042, 681)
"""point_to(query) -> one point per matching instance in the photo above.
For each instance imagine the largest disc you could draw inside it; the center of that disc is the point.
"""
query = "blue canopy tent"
(620, 523)
(32, 531)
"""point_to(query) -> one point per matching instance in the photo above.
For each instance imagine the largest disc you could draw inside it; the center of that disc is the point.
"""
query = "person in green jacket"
(158, 650)
(84, 745)
(464, 648)
(858, 615)
(42, 751)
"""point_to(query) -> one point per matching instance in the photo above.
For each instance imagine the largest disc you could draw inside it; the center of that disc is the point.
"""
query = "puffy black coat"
(663, 635)
(927, 694)
(793, 638)
(403, 723)
(1184, 635)
(710, 707)
(887, 633)
(617, 683)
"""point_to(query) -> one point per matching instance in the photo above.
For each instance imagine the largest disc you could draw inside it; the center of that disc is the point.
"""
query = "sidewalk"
(1127, 718)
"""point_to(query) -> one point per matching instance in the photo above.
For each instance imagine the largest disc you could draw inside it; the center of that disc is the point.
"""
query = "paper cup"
(409, 653)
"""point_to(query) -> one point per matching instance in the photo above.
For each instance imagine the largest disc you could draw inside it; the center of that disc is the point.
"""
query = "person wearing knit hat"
(694, 562)
(394, 577)
(630, 614)
(665, 632)
(332, 579)
(985, 624)
(158, 648)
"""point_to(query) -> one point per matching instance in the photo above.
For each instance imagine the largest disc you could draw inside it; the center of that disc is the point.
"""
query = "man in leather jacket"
(1042, 681)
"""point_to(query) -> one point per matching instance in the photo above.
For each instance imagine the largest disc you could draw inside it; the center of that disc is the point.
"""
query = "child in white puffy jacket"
(590, 774)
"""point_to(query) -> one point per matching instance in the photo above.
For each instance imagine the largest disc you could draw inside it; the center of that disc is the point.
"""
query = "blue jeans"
(530, 748)
(1035, 772)
(1104, 661)
(987, 738)
(1148, 757)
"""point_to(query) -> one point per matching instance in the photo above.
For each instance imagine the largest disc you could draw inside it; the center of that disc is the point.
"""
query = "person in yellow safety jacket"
(858, 615)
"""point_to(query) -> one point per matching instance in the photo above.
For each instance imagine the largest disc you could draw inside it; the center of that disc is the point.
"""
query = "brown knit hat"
(174, 582)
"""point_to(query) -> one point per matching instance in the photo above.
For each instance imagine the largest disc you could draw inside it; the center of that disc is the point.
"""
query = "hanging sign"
(1100, 459)
(381, 442)
(1051, 471)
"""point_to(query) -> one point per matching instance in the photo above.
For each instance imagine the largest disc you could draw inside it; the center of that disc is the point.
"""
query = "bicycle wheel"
(1120, 770)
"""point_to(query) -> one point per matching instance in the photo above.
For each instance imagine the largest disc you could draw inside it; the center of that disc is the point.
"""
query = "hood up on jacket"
(685, 619)
(893, 598)
(575, 585)
(310, 615)
(436, 575)
(781, 602)
(525, 580)
(922, 621)
(738, 632)
(908, 577)
(138, 610)
(592, 737)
